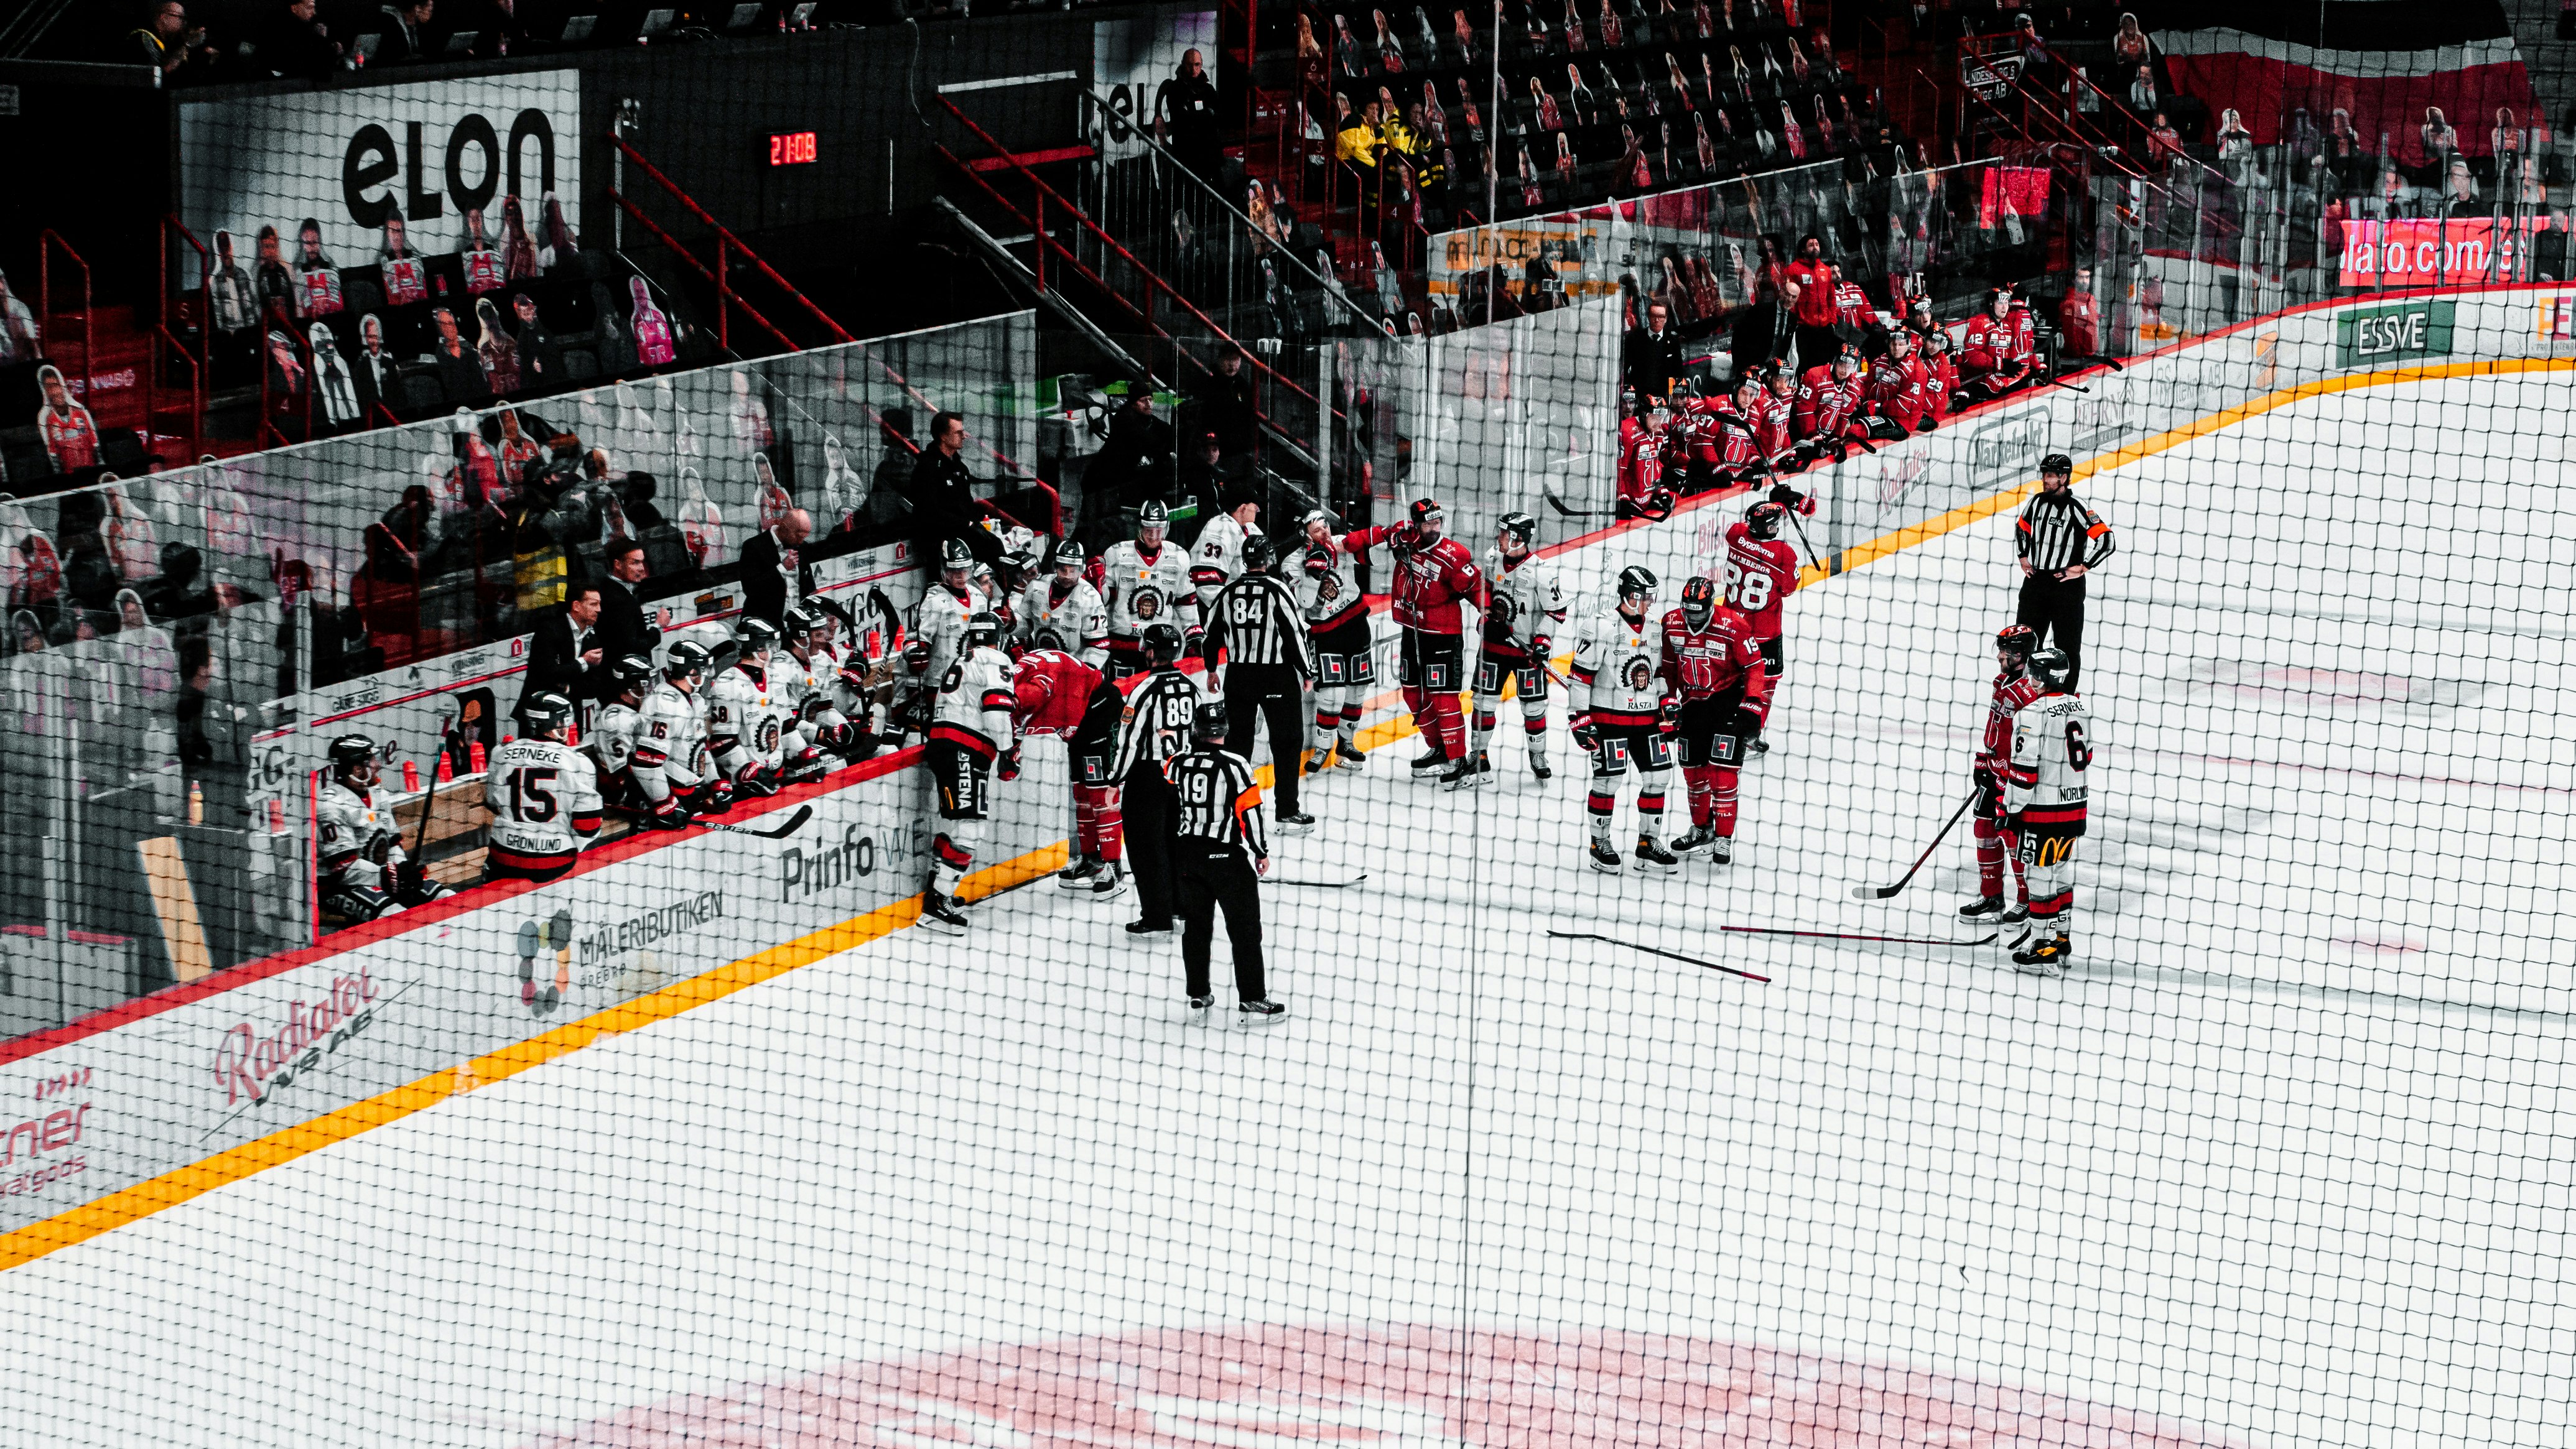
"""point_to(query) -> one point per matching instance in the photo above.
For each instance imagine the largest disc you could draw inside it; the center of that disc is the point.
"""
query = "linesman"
(1153, 727)
(1217, 864)
(2059, 541)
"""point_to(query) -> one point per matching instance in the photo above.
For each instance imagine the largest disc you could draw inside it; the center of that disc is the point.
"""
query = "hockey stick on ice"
(794, 823)
(1651, 951)
(1880, 893)
(1854, 936)
(1330, 885)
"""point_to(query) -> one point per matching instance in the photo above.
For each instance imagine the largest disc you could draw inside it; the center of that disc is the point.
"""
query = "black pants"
(1213, 876)
(1272, 692)
(1817, 346)
(2054, 609)
(1153, 821)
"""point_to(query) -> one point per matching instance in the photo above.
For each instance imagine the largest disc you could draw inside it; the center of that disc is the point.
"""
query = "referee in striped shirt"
(1256, 621)
(1218, 862)
(1154, 726)
(2059, 541)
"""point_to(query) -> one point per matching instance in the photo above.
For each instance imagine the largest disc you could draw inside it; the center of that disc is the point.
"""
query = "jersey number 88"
(1747, 590)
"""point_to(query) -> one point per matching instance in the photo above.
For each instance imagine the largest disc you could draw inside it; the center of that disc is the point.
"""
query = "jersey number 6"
(2078, 754)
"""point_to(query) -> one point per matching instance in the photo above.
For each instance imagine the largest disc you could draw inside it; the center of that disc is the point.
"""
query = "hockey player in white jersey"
(746, 717)
(364, 871)
(1143, 583)
(806, 674)
(1216, 560)
(940, 617)
(671, 765)
(970, 724)
(1337, 619)
(1062, 611)
(612, 734)
(2046, 796)
(1524, 607)
(1625, 712)
(544, 796)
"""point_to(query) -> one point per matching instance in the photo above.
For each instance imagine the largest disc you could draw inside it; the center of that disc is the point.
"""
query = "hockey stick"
(1651, 951)
(1559, 505)
(1330, 885)
(794, 823)
(1814, 558)
(1853, 936)
(1880, 893)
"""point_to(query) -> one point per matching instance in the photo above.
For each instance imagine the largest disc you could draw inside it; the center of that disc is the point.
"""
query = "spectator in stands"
(943, 499)
(1651, 355)
(460, 367)
(2079, 318)
(406, 31)
(1816, 302)
(297, 44)
(541, 360)
(883, 517)
(1135, 461)
(1356, 142)
(500, 27)
(1226, 408)
(2441, 142)
(566, 653)
(2460, 191)
(774, 572)
(2143, 99)
(2129, 45)
(2235, 143)
(625, 626)
(1185, 117)
(169, 44)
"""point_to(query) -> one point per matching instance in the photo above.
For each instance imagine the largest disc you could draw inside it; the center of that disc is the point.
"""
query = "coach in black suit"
(774, 574)
(566, 654)
(625, 625)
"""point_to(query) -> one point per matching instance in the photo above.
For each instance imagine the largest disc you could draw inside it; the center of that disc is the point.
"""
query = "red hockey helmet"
(1763, 519)
(2015, 643)
(1426, 514)
(1699, 601)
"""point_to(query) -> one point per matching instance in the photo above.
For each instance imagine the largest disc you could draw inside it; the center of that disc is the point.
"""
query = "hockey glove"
(1928, 424)
(1748, 722)
(1581, 730)
(1668, 715)
(1784, 494)
(1008, 766)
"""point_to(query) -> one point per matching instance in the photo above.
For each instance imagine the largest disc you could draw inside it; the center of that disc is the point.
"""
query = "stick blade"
(794, 823)
(1873, 893)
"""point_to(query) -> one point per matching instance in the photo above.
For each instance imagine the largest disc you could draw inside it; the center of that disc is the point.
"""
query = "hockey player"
(544, 796)
(1761, 572)
(612, 734)
(1433, 577)
(1524, 608)
(1337, 620)
(1899, 398)
(1624, 711)
(2045, 799)
(940, 617)
(364, 871)
(1940, 374)
(1063, 611)
(1774, 418)
(970, 722)
(1143, 582)
(1217, 559)
(1829, 398)
(1710, 659)
(805, 679)
(1642, 493)
(2013, 688)
(1054, 693)
(671, 767)
(746, 715)
(1995, 353)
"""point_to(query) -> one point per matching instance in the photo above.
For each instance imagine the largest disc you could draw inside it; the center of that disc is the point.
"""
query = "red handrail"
(724, 289)
(725, 239)
(197, 361)
(46, 241)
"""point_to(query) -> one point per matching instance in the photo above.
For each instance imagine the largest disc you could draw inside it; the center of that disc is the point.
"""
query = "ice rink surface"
(2283, 1163)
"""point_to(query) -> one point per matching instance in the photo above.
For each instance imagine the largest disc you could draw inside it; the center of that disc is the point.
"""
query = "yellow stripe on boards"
(285, 1145)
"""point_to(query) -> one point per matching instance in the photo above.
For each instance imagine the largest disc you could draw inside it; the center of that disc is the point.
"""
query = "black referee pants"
(1153, 821)
(1272, 692)
(1212, 876)
(2054, 609)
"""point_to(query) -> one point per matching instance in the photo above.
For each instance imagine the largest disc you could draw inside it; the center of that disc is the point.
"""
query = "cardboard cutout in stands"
(31, 573)
(843, 489)
(317, 282)
(773, 500)
(271, 283)
(498, 349)
(702, 527)
(751, 430)
(20, 341)
(234, 305)
(652, 330)
(131, 538)
(483, 272)
(557, 247)
(518, 249)
(335, 390)
(406, 279)
(71, 439)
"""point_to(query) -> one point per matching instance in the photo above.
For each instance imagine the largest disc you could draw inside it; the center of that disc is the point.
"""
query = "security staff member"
(1220, 856)
(2059, 541)
(1154, 726)
(1269, 657)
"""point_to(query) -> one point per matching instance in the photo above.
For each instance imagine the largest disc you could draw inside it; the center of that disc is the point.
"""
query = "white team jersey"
(1618, 666)
(1217, 558)
(1326, 598)
(2051, 750)
(671, 744)
(544, 798)
(975, 699)
(1526, 600)
(941, 618)
(612, 738)
(1076, 624)
(1137, 593)
(812, 683)
(743, 708)
(351, 823)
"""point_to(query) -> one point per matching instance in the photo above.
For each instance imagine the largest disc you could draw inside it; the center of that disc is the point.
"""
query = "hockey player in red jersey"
(2013, 688)
(1900, 392)
(1712, 662)
(1057, 694)
(1828, 415)
(1641, 466)
(1995, 354)
(1761, 572)
(1433, 576)
(1941, 373)
(1776, 433)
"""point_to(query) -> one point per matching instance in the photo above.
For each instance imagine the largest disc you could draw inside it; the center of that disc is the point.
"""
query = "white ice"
(2286, 1158)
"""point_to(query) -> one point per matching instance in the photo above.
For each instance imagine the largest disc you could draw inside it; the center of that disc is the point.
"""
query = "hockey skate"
(1721, 851)
(1484, 770)
(1983, 908)
(1539, 770)
(1261, 1012)
(939, 913)
(1347, 755)
(1296, 822)
(1110, 881)
(1653, 858)
(1430, 760)
(1701, 837)
(1079, 875)
(1461, 773)
(2046, 955)
(1605, 859)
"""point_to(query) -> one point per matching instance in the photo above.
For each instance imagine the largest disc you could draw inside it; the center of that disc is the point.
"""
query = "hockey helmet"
(1162, 643)
(754, 637)
(1207, 724)
(352, 755)
(2058, 465)
(799, 624)
(1153, 515)
(1899, 343)
(1699, 601)
(2054, 671)
(1752, 379)
(1999, 301)
(1782, 377)
(1306, 525)
(1627, 399)
(688, 660)
(983, 630)
(545, 712)
(633, 673)
(1763, 519)
(1847, 354)
(1067, 554)
(955, 556)
(1519, 528)
(1636, 582)
(1426, 515)
(1256, 552)
(2017, 641)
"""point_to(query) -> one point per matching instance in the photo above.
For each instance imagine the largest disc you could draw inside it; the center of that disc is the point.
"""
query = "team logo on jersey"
(1048, 639)
(1328, 588)
(1504, 609)
(1145, 603)
(1637, 673)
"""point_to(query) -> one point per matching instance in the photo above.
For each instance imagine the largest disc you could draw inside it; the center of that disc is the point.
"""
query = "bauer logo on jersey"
(1145, 603)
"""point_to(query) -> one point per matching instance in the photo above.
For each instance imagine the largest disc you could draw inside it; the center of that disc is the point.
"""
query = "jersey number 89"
(1747, 590)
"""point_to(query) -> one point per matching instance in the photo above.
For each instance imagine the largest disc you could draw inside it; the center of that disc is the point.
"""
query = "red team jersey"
(1053, 689)
(69, 436)
(1773, 419)
(1994, 753)
(1827, 404)
(1641, 462)
(1430, 583)
(1760, 573)
(1941, 375)
(1999, 350)
(1901, 392)
(1705, 663)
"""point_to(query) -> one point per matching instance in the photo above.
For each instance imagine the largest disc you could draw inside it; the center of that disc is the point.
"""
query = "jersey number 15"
(532, 795)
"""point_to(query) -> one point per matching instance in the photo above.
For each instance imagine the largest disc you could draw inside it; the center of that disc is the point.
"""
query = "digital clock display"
(791, 148)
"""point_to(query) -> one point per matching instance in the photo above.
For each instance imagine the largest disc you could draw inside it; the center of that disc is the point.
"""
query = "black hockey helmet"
(545, 712)
(2017, 640)
(2052, 669)
(1207, 724)
(2057, 464)
(800, 622)
(1162, 643)
(1521, 527)
(351, 755)
(955, 556)
(1426, 514)
(754, 635)
(1636, 582)
(688, 659)
(1763, 519)
(1256, 553)
(1066, 553)
(983, 630)
(1899, 343)
(1627, 399)
(1782, 377)
(1152, 514)
(1937, 340)
(633, 673)
(1699, 601)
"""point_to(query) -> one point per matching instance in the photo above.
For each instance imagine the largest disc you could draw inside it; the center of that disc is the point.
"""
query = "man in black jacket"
(565, 654)
(1651, 356)
(774, 573)
(943, 499)
(1764, 331)
(1225, 405)
(625, 627)
(541, 360)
